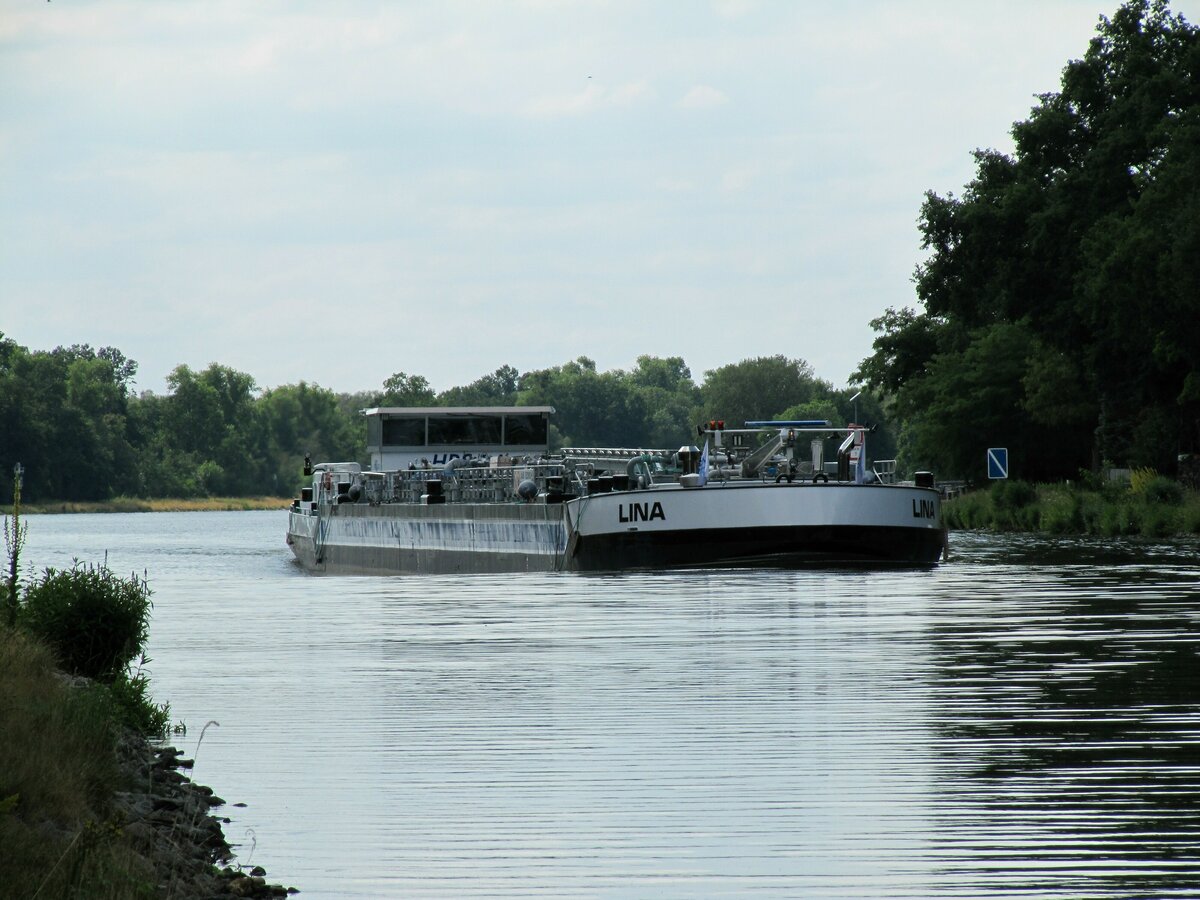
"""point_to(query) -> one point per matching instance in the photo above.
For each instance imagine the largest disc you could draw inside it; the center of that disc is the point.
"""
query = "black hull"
(797, 546)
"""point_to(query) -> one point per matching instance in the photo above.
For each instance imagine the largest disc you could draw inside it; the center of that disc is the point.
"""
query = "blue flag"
(703, 472)
(860, 468)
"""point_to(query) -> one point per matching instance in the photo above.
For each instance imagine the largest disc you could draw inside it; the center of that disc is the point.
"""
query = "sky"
(335, 192)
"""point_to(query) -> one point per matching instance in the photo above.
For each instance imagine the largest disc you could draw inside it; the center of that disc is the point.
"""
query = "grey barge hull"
(354, 539)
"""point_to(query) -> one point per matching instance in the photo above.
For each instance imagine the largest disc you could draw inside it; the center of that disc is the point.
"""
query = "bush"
(1163, 490)
(1011, 496)
(1189, 516)
(96, 622)
(1062, 512)
(968, 511)
(1157, 521)
(131, 705)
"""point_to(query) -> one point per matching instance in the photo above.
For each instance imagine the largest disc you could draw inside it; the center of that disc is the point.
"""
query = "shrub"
(1157, 521)
(1163, 490)
(1061, 512)
(96, 622)
(1189, 517)
(968, 511)
(1091, 512)
(1011, 495)
(132, 706)
(1120, 519)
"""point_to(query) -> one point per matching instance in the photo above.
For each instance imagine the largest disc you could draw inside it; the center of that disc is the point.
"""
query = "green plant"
(1157, 521)
(1061, 511)
(58, 774)
(132, 706)
(1189, 516)
(1140, 479)
(1012, 495)
(95, 621)
(1163, 490)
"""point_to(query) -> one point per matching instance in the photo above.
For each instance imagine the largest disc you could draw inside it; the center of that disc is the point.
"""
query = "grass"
(169, 504)
(58, 773)
(1152, 507)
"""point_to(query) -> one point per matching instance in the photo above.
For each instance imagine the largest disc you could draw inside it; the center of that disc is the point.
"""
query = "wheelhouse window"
(464, 430)
(529, 429)
(404, 432)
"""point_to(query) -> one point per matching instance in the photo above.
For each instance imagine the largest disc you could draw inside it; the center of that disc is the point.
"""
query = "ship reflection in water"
(1021, 721)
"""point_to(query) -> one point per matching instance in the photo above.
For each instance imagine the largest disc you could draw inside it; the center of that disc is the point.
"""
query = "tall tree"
(759, 388)
(594, 409)
(497, 389)
(1081, 237)
(402, 389)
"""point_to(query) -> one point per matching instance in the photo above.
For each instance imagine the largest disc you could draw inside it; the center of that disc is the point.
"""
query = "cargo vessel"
(457, 489)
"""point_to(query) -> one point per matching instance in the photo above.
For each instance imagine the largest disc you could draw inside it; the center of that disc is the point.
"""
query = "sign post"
(997, 462)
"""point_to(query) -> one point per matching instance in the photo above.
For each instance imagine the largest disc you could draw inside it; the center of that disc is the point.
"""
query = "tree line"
(70, 416)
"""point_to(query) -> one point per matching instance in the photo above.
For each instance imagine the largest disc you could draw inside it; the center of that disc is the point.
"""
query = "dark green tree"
(63, 414)
(669, 398)
(497, 389)
(760, 388)
(306, 419)
(1084, 238)
(402, 389)
(594, 409)
(210, 431)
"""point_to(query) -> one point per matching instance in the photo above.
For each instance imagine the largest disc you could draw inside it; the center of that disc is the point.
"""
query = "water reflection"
(1024, 721)
(1069, 743)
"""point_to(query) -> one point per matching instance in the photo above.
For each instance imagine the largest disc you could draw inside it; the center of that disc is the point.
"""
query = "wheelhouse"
(420, 436)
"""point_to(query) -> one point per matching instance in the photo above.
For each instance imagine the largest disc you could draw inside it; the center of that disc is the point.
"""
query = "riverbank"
(166, 504)
(91, 809)
(1158, 507)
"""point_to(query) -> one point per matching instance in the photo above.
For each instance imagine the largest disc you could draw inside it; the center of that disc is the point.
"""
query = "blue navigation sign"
(997, 459)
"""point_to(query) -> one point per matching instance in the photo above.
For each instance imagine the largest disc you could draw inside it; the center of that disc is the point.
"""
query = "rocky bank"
(169, 820)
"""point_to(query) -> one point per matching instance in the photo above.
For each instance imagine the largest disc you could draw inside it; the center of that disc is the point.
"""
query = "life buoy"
(820, 478)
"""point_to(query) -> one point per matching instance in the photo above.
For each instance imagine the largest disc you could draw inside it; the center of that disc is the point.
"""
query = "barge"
(453, 489)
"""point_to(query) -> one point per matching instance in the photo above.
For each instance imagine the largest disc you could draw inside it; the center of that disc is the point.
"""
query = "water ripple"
(1023, 721)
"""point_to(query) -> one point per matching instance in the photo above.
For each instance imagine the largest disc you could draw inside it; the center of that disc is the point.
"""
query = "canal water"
(1022, 721)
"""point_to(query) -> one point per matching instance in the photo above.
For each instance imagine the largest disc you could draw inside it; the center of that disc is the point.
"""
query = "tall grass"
(58, 774)
(1153, 506)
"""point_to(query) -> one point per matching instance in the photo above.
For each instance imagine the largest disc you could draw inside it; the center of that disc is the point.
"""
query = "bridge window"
(404, 432)
(464, 430)
(524, 429)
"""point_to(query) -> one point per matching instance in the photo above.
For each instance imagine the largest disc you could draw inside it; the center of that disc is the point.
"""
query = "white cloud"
(734, 9)
(592, 98)
(703, 97)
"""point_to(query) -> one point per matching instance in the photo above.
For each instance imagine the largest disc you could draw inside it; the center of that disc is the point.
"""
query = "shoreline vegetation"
(90, 807)
(92, 800)
(1149, 506)
(163, 504)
